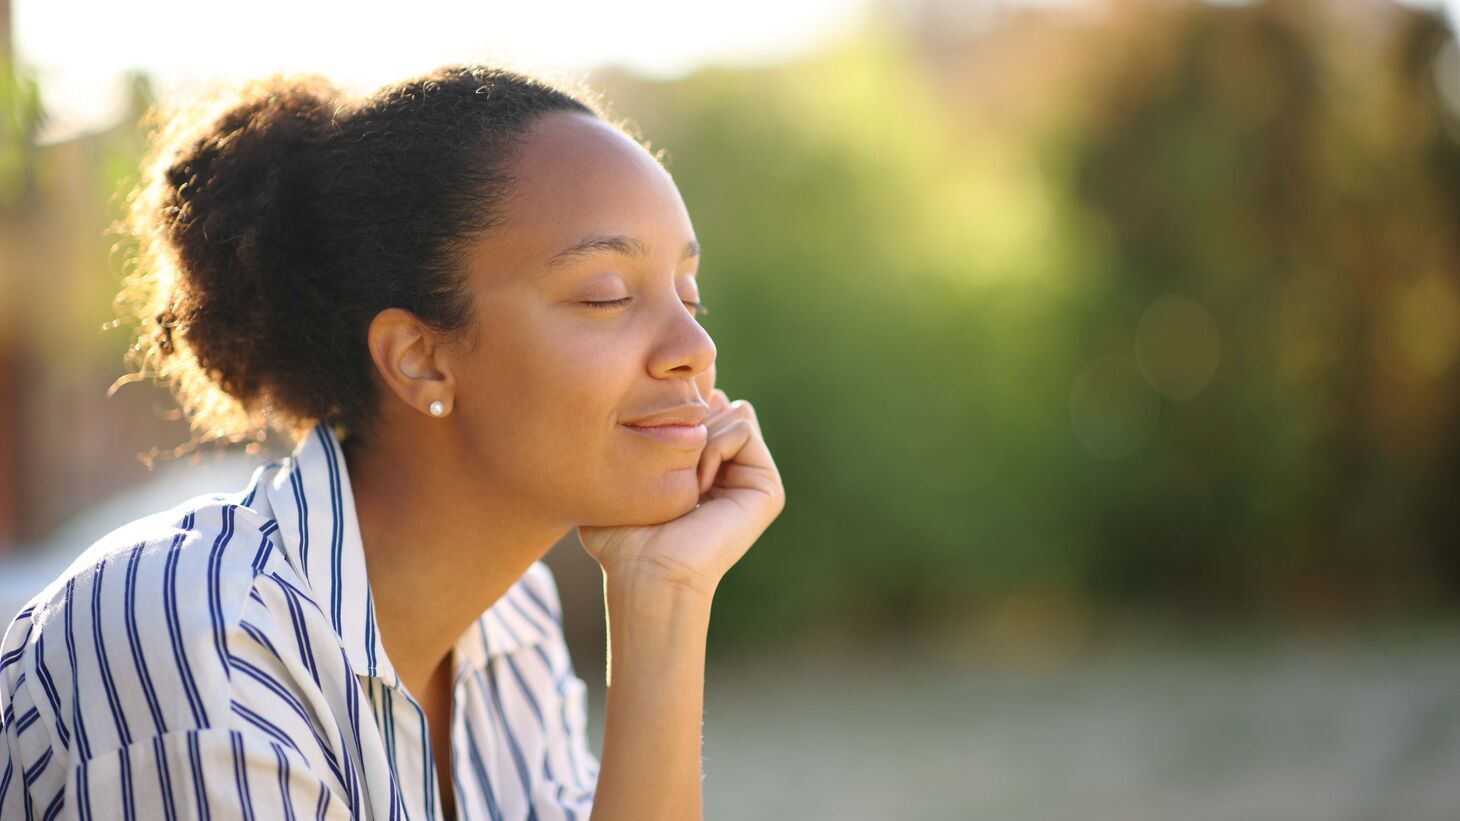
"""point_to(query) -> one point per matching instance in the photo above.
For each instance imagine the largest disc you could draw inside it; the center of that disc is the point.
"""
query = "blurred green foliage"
(1175, 329)
(1158, 313)
(21, 114)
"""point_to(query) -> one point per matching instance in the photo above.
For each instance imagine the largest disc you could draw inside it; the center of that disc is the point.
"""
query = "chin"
(670, 496)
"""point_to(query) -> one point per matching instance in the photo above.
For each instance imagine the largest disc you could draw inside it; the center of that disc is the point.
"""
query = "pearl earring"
(438, 408)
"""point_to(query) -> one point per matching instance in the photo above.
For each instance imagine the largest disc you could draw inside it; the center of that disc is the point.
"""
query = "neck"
(440, 548)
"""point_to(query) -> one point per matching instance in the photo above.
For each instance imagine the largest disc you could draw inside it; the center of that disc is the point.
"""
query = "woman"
(471, 300)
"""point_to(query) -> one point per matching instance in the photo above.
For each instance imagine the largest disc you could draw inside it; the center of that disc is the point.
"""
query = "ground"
(1320, 728)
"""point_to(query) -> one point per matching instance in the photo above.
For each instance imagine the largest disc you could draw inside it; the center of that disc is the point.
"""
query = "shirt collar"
(310, 497)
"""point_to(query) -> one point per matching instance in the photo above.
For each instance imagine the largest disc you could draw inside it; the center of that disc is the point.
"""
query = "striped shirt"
(222, 660)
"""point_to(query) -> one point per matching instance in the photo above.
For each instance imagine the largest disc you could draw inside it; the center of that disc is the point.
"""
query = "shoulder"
(131, 639)
(206, 544)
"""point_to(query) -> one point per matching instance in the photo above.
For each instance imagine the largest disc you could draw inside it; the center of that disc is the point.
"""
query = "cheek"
(569, 387)
(538, 386)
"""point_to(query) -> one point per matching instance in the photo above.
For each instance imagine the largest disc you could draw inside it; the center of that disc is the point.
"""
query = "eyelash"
(697, 308)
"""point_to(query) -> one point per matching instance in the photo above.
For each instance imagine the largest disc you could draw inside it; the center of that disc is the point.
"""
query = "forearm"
(650, 766)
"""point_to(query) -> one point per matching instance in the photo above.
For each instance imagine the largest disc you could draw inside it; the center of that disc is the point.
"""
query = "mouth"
(682, 436)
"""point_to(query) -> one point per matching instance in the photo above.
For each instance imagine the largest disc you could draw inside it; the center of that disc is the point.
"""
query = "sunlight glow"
(188, 46)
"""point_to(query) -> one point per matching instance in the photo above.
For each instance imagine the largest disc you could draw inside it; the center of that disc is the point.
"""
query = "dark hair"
(276, 219)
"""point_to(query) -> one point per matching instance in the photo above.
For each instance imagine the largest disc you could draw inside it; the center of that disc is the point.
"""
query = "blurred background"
(1108, 352)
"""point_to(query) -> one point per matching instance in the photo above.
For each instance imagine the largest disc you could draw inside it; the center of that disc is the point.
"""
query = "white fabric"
(222, 660)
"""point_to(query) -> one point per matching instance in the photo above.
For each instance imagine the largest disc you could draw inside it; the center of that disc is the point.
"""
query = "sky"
(81, 49)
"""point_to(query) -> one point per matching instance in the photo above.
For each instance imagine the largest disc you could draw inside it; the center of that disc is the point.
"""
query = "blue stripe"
(352, 704)
(337, 525)
(301, 508)
(522, 683)
(48, 685)
(258, 475)
(390, 749)
(257, 635)
(459, 787)
(296, 617)
(479, 767)
(240, 775)
(294, 704)
(29, 805)
(38, 767)
(556, 616)
(25, 720)
(139, 659)
(129, 810)
(200, 792)
(528, 617)
(215, 586)
(114, 701)
(82, 743)
(517, 760)
(164, 778)
(268, 727)
(370, 630)
(432, 783)
(57, 802)
(322, 804)
(559, 680)
(388, 702)
(262, 556)
(174, 627)
(14, 655)
(270, 684)
(542, 726)
(283, 771)
(10, 772)
(349, 779)
(83, 782)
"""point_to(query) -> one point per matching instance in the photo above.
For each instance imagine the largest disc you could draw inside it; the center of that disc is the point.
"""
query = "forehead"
(575, 176)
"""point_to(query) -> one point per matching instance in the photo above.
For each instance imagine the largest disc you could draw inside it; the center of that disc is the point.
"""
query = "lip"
(683, 436)
(691, 414)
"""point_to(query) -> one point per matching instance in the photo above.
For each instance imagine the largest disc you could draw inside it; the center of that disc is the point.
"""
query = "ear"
(409, 360)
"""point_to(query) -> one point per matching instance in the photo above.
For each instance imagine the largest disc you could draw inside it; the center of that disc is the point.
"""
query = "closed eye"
(695, 307)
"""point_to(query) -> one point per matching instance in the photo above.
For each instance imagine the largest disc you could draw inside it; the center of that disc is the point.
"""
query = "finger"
(738, 408)
(721, 445)
(718, 400)
(726, 445)
(734, 475)
(754, 453)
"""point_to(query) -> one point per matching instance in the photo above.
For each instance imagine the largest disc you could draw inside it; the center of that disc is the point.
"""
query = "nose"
(686, 349)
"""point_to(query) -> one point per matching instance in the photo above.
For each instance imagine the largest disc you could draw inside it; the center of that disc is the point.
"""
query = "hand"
(740, 495)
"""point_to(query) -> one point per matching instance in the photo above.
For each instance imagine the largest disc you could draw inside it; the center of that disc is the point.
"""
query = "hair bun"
(223, 205)
(231, 188)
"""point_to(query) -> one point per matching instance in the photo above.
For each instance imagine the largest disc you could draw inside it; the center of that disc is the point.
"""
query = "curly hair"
(275, 219)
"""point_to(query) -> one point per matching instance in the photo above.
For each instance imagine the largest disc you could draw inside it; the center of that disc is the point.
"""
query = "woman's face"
(545, 392)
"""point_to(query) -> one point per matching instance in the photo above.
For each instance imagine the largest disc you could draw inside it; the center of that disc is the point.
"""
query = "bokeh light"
(1178, 346)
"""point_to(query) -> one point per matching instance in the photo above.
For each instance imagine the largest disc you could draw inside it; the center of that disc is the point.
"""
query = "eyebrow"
(614, 244)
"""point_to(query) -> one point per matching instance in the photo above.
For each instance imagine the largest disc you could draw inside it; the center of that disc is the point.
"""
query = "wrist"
(655, 581)
(647, 599)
